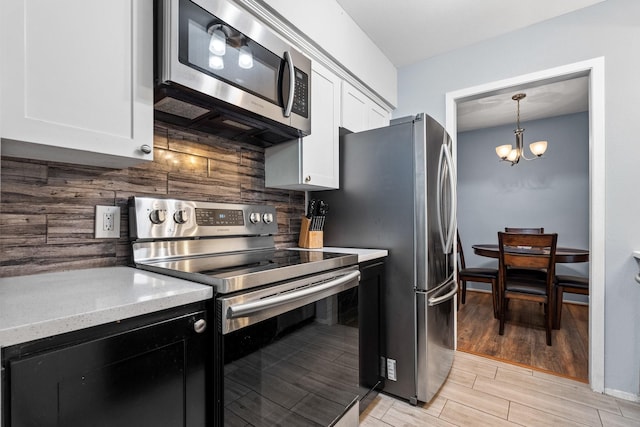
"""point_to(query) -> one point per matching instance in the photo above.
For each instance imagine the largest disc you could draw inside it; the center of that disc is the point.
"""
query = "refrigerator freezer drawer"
(435, 335)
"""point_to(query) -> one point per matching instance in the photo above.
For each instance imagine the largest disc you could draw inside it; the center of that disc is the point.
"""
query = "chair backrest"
(533, 230)
(461, 263)
(534, 251)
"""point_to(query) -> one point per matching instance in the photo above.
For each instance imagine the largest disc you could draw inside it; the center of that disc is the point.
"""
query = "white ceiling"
(436, 26)
(542, 101)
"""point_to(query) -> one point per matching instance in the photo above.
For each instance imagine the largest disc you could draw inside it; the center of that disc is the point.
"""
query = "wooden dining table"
(563, 255)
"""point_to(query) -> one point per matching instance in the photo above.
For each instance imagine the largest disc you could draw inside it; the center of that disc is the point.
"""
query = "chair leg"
(548, 319)
(503, 303)
(496, 299)
(557, 318)
(464, 291)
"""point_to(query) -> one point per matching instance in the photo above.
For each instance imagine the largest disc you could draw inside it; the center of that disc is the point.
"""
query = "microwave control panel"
(301, 94)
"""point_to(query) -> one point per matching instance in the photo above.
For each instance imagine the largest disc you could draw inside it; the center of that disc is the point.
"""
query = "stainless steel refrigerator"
(397, 192)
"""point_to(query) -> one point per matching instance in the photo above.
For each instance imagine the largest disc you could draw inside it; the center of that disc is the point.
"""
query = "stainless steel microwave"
(219, 70)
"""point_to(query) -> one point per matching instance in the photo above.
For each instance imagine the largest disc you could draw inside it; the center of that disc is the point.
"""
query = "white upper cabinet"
(311, 163)
(328, 25)
(77, 81)
(359, 112)
(377, 116)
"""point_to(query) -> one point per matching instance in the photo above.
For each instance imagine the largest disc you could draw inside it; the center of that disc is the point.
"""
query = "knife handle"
(311, 209)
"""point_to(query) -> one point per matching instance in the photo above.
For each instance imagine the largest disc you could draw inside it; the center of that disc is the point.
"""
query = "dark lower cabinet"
(371, 319)
(142, 372)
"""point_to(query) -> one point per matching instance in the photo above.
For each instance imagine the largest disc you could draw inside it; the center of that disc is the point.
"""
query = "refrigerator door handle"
(439, 198)
(452, 189)
(447, 170)
(440, 299)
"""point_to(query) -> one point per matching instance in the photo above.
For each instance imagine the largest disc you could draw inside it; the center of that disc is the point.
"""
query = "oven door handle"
(242, 310)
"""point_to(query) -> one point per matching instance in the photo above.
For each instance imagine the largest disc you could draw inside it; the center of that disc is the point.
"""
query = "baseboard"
(488, 291)
(622, 395)
(482, 291)
(575, 302)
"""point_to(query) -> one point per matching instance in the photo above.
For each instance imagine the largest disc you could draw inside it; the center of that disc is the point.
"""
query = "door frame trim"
(595, 69)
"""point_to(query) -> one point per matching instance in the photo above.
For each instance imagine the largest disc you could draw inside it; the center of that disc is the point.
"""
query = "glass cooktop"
(243, 270)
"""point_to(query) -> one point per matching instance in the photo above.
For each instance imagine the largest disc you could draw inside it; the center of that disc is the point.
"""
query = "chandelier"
(508, 153)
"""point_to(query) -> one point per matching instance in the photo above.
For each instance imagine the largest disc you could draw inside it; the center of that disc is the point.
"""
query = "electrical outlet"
(107, 223)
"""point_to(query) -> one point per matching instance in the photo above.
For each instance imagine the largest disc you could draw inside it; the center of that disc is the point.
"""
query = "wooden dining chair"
(571, 284)
(475, 274)
(526, 230)
(534, 230)
(535, 253)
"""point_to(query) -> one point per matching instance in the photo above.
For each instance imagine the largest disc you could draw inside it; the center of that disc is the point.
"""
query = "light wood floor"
(523, 341)
(487, 392)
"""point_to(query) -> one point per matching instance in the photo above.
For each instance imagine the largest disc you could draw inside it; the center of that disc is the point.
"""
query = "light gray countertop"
(363, 254)
(42, 305)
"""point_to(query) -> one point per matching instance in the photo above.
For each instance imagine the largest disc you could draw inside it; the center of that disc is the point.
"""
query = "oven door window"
(297, 368)
(210, 45)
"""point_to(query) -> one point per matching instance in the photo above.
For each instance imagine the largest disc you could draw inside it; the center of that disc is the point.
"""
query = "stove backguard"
(157, 219)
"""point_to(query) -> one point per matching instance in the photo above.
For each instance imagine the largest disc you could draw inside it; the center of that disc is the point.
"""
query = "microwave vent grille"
(179, 108)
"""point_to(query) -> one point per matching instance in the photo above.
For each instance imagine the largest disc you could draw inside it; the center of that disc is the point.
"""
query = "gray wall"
(609, 29)
(552, 192)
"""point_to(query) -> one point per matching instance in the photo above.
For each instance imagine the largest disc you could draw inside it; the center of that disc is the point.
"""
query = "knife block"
(309, 239)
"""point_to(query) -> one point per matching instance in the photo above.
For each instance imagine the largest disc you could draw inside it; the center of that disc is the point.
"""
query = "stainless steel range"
(286, 339)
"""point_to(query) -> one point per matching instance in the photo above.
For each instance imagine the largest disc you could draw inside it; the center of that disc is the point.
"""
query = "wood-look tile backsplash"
(47, 209)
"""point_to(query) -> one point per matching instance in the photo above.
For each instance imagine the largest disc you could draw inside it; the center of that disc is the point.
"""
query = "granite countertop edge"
(43, 305)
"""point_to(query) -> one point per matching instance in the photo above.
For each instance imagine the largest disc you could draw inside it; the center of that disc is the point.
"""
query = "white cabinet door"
(77, 81)
(311, 163)
(377, 117)
(320, 151)
(359, 112)
(354, 111)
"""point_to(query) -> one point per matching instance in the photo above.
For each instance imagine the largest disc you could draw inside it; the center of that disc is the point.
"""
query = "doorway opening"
(593, 70)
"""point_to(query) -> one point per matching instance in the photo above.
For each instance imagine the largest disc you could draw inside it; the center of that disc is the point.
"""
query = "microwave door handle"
(292, 83)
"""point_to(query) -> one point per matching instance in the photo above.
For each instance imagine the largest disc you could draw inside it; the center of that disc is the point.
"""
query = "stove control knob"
(157, 216)
(267, 218)
(180, 217)
(254, 217)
